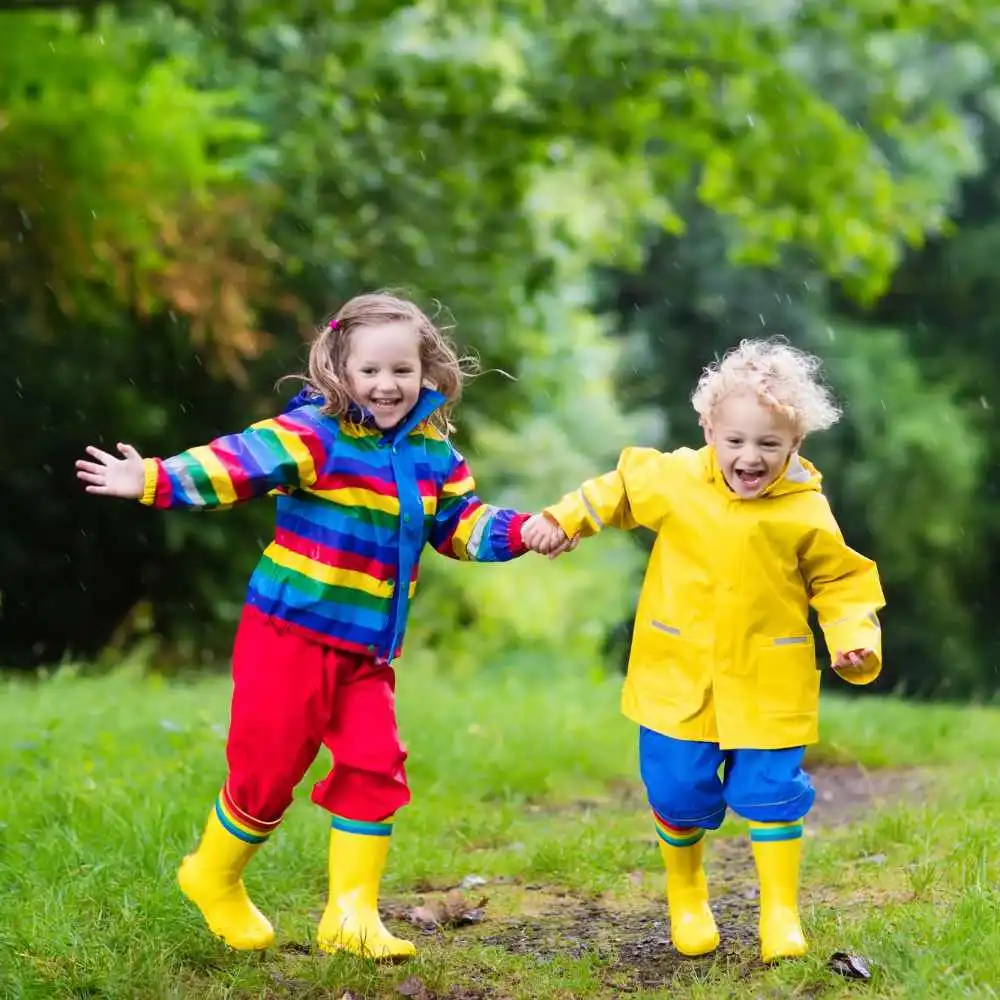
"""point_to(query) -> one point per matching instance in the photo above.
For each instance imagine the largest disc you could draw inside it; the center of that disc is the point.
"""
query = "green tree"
(192, 174)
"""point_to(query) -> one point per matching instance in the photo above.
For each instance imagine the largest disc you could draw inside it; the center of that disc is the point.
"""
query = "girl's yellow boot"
(211, 878)
(351, 920)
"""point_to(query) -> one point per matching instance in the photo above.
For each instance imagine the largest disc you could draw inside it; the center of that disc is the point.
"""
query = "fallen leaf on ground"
(394, 911)
(414, 987)
(450, 910)
(849, 966)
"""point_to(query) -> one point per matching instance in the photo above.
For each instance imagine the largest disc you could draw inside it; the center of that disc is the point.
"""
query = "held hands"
(113, 477)
(542, 535)
(856, 659)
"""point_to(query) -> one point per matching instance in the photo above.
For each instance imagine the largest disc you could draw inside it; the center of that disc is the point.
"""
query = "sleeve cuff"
(514, 540)
(862, 677)
(866, 636)
(152, 470)
(566, 514)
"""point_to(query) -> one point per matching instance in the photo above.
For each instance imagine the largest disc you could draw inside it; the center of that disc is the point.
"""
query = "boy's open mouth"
(750, 480)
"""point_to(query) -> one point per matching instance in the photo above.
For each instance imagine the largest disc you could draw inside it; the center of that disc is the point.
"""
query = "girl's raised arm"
(284, 451)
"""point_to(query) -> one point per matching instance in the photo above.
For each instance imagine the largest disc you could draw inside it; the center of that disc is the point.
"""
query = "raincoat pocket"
(787, 679)
(673, 674)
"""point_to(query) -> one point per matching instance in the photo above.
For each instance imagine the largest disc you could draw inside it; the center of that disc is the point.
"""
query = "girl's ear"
(706, 428)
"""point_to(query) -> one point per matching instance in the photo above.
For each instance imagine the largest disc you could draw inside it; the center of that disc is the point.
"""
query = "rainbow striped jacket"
(355, 507)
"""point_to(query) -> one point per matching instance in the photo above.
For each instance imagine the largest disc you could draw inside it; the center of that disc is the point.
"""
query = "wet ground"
(629, 941)
(634, 945)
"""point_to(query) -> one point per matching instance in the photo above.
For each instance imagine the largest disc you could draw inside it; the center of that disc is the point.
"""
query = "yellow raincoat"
(722, 650)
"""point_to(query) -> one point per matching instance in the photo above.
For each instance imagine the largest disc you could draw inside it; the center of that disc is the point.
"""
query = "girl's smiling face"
(384, 372)
(752, 441)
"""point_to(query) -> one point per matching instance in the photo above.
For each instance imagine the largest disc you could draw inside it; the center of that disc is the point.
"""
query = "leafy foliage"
(187, 187)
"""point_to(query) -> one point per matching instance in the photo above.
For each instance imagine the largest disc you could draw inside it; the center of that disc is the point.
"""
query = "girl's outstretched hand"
(113, 477)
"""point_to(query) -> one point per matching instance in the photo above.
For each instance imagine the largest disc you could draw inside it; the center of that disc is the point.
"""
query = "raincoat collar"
(427, 402)
(798, 476)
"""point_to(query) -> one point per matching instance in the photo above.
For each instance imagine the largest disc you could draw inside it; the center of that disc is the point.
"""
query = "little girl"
(722, 671)
(365, 477)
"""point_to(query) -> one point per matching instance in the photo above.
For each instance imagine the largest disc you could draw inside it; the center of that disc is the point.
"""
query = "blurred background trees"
(601, 196)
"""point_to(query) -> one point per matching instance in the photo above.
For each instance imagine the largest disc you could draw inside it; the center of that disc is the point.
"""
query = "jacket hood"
(304, 397)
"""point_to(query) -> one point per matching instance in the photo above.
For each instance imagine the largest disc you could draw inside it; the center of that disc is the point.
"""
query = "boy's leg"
(278, 712)
(770, 789)
(685, 793)
(363, 791)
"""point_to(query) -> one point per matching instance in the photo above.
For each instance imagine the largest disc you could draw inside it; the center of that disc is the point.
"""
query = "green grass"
(527, 780)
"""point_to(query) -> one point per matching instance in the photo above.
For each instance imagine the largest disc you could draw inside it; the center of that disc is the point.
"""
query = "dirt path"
(635, 943)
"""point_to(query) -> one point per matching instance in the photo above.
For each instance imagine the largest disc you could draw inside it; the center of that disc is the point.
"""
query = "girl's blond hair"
(783, 377)
(442, 368)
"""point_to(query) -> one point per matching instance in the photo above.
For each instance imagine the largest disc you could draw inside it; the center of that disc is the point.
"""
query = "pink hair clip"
(333, 325)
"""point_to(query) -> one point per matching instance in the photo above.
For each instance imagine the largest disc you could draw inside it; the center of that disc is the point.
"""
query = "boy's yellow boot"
(211, 878)
(692, 926)
(351, 921)
(777, 851)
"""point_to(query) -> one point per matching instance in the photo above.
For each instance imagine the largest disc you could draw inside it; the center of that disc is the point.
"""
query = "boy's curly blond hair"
(783, 377)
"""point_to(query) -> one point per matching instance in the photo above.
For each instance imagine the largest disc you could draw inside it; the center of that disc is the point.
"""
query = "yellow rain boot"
(211, 878)
(777, 851)
(351, 920)
(692, 926)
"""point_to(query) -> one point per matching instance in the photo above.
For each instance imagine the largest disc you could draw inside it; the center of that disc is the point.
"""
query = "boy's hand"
(853, 660)
(113, 477)
(543, 535)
